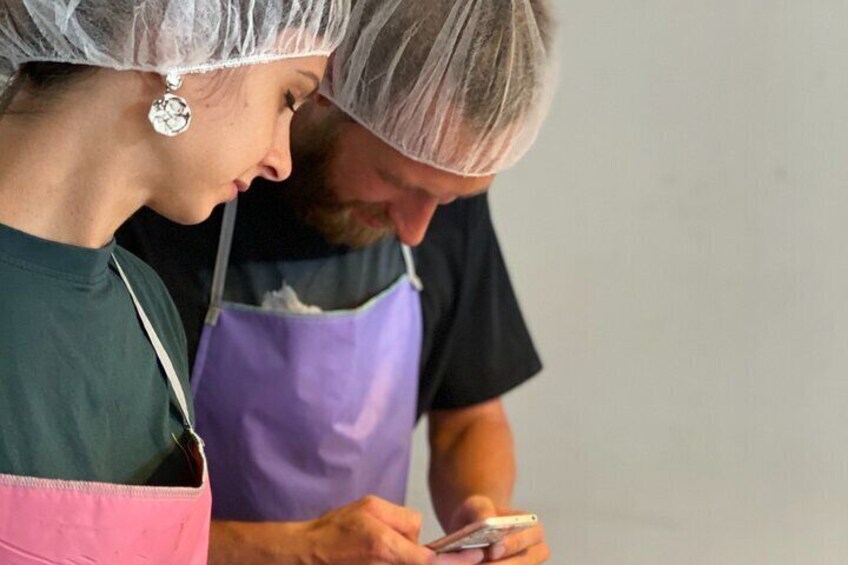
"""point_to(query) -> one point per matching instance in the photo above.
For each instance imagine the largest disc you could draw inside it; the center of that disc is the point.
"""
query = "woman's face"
(239, 130)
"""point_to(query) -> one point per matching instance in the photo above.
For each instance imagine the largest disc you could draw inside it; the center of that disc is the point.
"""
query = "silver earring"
(170, 115)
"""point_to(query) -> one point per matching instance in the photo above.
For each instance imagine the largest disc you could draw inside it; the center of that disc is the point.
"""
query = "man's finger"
(402, 520)
(496, 551)
(473, 509)
(519, 542)
(535, 555)
(482, 506)
(395, 549)
(413, 555)
(470, 557)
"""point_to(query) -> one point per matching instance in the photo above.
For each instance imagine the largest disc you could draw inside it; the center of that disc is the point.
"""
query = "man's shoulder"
(460, 215)
(459, 232)
(473, 206)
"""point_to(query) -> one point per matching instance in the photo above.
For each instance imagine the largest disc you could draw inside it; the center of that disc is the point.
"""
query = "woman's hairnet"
(462, 85)
(164, 36)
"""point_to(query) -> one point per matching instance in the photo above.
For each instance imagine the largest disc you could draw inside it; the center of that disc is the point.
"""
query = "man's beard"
(316, 202)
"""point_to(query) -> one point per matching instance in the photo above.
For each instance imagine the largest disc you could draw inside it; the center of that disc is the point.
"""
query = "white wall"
(690, 296)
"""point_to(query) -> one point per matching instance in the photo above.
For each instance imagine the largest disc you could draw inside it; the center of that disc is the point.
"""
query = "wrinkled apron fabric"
(55, 522)
(303, 413)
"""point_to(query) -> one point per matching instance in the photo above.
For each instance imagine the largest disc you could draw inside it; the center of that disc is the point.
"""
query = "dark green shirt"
(82, 395)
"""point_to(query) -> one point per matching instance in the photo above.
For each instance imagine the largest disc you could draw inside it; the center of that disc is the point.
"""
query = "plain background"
(678, 241)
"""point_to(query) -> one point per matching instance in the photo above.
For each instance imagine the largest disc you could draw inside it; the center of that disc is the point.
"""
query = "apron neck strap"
(222, 261)
(163, 356)
(411, 272)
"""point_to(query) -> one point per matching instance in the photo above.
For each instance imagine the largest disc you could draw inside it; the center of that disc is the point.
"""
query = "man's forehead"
(407, 173)
(411, 170)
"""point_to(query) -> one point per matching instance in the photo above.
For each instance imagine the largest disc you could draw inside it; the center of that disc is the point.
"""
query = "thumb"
(474, 508)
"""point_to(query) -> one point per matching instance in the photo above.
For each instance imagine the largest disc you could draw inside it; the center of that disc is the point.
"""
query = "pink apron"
(54, 522)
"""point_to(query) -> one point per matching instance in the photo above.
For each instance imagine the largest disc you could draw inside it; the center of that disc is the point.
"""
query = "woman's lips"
(241, 187)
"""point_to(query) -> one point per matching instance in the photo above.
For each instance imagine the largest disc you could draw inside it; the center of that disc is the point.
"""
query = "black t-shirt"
(476, 344)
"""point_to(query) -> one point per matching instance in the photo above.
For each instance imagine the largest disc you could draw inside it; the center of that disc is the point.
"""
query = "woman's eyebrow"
(312, 76)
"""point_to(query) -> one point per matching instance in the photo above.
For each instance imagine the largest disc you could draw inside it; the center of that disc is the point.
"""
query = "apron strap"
(222, 261)
(411, 272)
(163, 356)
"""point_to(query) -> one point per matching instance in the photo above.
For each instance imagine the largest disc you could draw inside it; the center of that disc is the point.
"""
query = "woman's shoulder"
(159, 307)
(154, 298)
(144, 280)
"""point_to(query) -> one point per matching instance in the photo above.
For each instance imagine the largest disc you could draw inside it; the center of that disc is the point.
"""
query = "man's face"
(356, 189)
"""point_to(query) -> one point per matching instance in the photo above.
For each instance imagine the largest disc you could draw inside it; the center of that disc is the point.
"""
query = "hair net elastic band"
(406, 153)
(198, 69)
(168, 36)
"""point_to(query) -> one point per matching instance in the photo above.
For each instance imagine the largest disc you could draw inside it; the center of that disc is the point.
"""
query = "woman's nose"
(277, 164)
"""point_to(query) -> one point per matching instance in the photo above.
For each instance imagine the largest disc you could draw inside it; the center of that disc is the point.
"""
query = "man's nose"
(411, 218)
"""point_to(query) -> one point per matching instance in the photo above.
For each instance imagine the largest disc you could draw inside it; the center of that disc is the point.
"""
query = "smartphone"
(484, 533)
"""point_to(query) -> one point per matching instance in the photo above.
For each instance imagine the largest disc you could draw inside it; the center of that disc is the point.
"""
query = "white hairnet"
(182, 36)
(462, 85)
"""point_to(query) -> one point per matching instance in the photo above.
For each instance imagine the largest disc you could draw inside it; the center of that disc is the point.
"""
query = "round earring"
(170, 115)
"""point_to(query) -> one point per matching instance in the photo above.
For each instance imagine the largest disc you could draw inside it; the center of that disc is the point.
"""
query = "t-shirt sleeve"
(476, 343)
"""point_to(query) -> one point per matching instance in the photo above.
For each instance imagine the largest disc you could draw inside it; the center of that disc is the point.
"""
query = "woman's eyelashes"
(291, 101)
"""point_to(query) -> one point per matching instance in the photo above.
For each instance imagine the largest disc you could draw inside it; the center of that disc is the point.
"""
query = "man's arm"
(471, 453)
(254, 543)
(365, 532)
(472, 475)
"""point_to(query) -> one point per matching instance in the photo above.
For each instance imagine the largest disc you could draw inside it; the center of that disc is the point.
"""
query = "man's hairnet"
(163, 36)
(462, 85)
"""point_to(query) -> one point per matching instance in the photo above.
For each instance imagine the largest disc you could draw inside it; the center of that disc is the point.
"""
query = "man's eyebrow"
(390, 178)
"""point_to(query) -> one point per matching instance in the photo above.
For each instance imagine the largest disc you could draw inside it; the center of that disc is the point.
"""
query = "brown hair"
(49, 76)
(44, 79)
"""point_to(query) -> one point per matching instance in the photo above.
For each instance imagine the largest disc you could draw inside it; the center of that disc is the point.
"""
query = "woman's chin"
(187, 216)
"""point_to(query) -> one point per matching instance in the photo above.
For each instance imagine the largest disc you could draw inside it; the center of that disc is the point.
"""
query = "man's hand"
(371, 532)
(527, 547)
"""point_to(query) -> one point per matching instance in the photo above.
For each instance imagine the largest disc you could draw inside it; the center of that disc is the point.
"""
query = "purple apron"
(304, 413)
